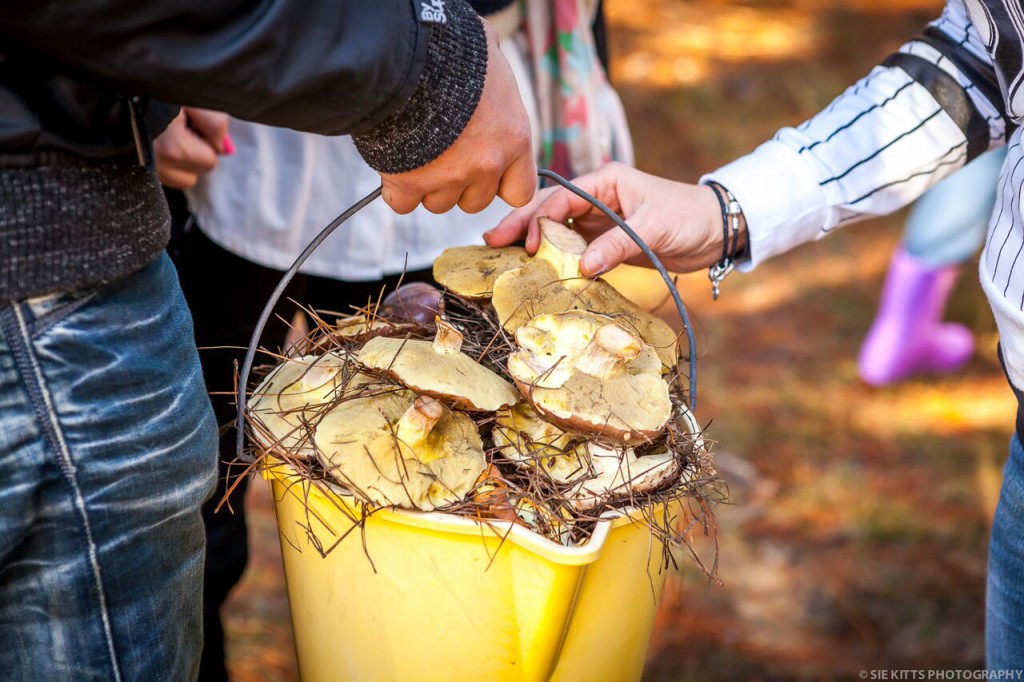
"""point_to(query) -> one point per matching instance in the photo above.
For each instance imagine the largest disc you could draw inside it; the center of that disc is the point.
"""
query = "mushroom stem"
(448, 340)
(561, 248)
(418, 421)
(611, 347)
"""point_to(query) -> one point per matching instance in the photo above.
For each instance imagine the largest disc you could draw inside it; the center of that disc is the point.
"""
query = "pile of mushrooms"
(579, 399)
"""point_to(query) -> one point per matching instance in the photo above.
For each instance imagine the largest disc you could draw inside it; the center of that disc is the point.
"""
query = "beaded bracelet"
(731, 213)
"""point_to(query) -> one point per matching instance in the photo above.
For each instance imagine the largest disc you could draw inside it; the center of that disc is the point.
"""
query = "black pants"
(226, 295)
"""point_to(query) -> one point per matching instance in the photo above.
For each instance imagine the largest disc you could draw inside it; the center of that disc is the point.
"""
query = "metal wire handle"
(257, 333)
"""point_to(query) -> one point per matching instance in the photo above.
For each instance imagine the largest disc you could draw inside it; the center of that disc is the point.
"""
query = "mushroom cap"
(588, 375)
(470, 271)
(526, 439)
(415, 301)
(293, 396)
(551, 283)
(453, 377)
(358, 445)
(619, 474)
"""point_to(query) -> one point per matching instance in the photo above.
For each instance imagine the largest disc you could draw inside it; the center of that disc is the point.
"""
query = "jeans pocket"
(42, 312)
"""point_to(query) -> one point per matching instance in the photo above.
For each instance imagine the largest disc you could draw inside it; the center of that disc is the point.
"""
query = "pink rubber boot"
(908, 336)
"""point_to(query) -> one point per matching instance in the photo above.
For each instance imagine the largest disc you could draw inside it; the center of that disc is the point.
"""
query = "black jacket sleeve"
(404, 76)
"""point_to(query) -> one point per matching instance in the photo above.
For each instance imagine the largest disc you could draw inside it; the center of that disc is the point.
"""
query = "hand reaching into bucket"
(681, 223)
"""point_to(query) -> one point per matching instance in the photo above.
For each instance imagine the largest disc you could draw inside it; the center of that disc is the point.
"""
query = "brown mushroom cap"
(470, 271)
(551, 283)
(415, 301)
(439, 369)
(290, 399)
(619, 474)
(588, 375)
(523, 437)
(401, 452)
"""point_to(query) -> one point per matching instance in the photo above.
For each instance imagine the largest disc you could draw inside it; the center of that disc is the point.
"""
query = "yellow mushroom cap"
(292, 395)
(523, 437)
(619, 474)
(590, 379)
(551, 283)
(470, 271)
(401, 452)
(440, 369)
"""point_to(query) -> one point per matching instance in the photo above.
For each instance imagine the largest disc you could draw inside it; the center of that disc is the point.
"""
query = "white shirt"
(267, 202)
(883, 143)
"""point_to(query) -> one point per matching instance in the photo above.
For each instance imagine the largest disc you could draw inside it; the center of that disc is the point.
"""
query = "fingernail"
(592, 264)
(488, 233)
(228, 145)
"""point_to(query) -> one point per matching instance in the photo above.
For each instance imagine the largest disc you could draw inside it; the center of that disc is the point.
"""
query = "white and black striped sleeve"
(910, 122)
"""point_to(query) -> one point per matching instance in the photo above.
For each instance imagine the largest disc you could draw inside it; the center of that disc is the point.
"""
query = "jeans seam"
(50, 319)
(17, 330)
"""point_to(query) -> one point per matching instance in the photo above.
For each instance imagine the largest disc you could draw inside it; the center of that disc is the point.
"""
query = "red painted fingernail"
(227, 145)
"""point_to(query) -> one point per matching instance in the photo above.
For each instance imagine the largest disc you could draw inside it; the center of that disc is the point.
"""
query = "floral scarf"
(582, 123)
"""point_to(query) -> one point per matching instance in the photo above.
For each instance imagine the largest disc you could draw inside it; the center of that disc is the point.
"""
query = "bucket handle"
(250, 352)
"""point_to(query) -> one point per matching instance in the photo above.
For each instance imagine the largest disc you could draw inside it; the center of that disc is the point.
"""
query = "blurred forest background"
(856, 537)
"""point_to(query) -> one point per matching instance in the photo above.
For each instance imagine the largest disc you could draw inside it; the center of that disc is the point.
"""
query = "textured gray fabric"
(71, 226)
(446, 97)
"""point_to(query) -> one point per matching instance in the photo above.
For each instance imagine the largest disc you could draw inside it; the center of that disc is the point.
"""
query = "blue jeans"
(1004, 616)
(948, 224)
(107, 451)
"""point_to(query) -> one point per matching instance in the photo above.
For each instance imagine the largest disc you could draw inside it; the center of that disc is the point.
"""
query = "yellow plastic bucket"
(430, 596)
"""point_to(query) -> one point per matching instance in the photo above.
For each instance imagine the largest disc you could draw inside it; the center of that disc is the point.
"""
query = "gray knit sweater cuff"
(444, 100)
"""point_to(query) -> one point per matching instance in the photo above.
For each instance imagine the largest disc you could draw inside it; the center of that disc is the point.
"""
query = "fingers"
(472, 192)
(478, 196)
(556, 203)
(514, 226)
(398, 197)
(211, 126)
(561, 204)
(182, 155)
(188, 154)
(612, 248)
(516, 187)
(442, 201)
(176, 179)
(607, 250)
(403, 194)
(511, 229)
(519, 181)
(651, 205)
